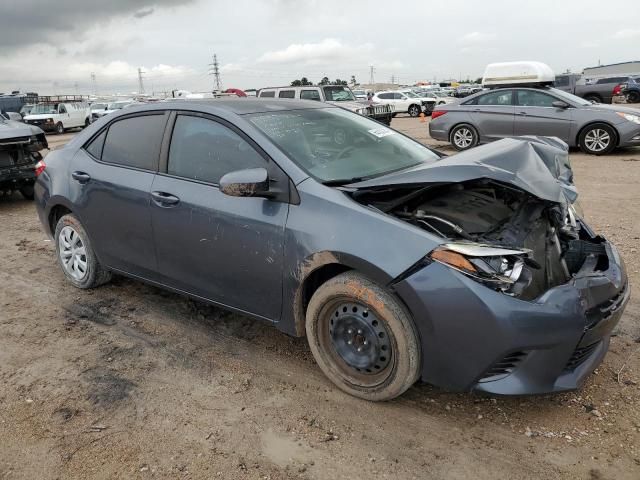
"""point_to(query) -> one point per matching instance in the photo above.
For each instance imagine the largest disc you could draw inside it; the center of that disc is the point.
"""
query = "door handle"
(164, 199)
(81, 177)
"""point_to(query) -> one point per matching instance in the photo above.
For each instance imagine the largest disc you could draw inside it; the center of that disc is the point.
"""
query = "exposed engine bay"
(502, 235)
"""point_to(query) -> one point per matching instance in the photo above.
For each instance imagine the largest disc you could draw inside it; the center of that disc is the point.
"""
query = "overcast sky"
(53, 47)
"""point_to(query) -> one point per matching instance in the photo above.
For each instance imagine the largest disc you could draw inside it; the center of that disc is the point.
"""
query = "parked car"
(338, 95)
(59, 116)
(20, 147)
(360, 94)
(98, 109)
(597, 90)
(401, 102)
(428, 100)
(442, 98)
(471, 272)
(487, 116)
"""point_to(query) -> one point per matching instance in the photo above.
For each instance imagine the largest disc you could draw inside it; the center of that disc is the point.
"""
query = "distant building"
(624, 68)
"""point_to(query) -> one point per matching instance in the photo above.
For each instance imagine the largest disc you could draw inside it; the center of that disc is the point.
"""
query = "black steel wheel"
(633, 97)
(362, 338)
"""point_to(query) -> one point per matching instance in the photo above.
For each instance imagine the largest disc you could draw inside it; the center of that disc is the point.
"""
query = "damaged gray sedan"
(472, 272)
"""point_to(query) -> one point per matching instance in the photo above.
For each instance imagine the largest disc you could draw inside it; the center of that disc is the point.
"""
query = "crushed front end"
(520, 296)
(20, 147)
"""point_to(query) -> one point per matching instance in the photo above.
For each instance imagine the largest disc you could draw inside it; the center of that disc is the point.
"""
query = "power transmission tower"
(140, 84)
(93, 83)
(393, 79)
(215, 71)
(371, 79)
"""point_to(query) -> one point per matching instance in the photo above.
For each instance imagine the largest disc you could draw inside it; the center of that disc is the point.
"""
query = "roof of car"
(239, 106)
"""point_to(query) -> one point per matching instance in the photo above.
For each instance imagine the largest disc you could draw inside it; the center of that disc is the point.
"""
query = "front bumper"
(474, 338)
(46, 126)
(629, 134)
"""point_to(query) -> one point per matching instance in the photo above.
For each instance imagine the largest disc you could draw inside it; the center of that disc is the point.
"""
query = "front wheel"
(597, 139)
(87, 122)
(414, 110)
(76, 256)
(362, 338)
(463, 137)
(59, 128)
(633, 97)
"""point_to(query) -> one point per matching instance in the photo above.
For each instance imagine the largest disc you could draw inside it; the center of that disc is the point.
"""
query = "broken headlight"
(502, 269)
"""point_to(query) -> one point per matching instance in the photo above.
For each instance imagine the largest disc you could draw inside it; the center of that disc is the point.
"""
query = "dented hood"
(537, 165)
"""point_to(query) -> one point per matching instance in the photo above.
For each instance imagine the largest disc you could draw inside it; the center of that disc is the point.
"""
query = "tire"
(463, 137)
(633, 97)
(593, 98)
(362, 338)
(27, 192)
(87, 122)
(598, 139)
(414, 110)
(70, 237)
(59, 128)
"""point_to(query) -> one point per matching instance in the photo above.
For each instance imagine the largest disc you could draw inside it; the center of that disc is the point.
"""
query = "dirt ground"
(129, 381)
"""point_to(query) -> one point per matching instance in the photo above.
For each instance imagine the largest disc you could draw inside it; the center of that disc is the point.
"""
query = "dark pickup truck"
(20, 146)
(598, 90)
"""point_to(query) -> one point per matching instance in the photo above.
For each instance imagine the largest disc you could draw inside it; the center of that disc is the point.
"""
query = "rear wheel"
(76, 256)
(414, 110)
(593, 98)
(463, 137)
(59, 128)
(597, 139)
(362, 338)
(27, 191)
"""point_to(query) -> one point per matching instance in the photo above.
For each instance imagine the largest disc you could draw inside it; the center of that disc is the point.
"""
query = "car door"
(226, 249)
(536, 115)
(64, 116)
(110, 184)
(401, 102)
(492, 114)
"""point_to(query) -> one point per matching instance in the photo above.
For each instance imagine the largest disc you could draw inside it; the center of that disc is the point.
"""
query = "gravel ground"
(129, 381)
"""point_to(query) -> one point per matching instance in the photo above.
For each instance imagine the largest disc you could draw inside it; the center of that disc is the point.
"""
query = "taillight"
(40, 166)
(437, 113)
(617, 89)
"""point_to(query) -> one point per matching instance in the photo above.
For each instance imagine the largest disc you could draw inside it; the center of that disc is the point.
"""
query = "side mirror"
(559, 104)
(251, 182)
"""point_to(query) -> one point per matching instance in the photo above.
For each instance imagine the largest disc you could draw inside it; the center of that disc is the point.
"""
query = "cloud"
(28, 22)
(627, 33)
(328, 50)
(144, 12)
(476, 38)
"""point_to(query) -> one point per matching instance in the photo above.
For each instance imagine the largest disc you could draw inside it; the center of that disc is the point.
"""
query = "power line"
(215, 71)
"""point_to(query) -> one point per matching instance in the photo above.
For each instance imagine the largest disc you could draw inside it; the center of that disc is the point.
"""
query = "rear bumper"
(438, 132)
(12, 178)
(474, 338)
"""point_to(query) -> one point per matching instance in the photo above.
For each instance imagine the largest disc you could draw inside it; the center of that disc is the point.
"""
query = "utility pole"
(393, 79)
(140, 84)
(371, 79)
(215, 71)
(93, 83)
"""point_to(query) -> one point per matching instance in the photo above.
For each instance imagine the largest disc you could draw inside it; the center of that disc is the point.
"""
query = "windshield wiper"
(343, 181)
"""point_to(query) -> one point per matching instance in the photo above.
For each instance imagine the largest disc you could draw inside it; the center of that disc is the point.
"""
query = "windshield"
(44, 108)
(338, 94)
(569, 97)
(335, 145)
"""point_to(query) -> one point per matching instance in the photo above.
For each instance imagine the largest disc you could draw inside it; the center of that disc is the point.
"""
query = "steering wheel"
(342, 153)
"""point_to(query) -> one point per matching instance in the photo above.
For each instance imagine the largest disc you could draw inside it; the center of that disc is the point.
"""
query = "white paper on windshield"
(381, 132)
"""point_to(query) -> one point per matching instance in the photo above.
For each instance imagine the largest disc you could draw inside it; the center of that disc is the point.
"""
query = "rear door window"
(310, 95)
(135, 142)
(205, 150)
(95, 147)
(270, 94)
(287, 94)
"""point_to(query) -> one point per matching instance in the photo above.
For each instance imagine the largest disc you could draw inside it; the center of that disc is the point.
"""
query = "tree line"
(304, 81)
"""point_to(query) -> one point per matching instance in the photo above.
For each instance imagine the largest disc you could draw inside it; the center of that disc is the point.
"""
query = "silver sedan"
(506, 112)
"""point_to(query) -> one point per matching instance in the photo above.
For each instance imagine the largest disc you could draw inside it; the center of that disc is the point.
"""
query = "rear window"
(271, 94)
(134, 142)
